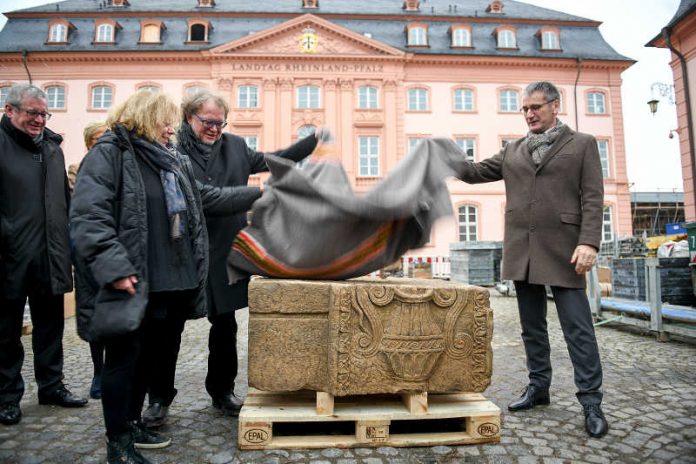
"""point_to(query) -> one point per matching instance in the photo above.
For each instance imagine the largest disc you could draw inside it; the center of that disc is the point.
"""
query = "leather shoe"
(229, 404)
(10, 413)
(595, 423)
(531, 396)
(62, 397)
(155, 415)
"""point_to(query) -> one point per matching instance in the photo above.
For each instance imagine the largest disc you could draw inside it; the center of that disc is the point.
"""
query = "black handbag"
(116, 312)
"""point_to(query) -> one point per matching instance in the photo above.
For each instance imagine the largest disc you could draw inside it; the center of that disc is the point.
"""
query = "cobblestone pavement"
(650, 402)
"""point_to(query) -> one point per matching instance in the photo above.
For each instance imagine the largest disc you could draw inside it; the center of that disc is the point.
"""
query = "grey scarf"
(539, 144)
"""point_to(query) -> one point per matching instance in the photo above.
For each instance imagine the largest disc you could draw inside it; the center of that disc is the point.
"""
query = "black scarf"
(169, 167)
(197, 150)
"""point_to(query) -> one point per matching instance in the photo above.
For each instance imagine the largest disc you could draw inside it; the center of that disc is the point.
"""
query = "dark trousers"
(96, 349)
(576, 322)
(222, 357)
(134, 362)
(46, 340)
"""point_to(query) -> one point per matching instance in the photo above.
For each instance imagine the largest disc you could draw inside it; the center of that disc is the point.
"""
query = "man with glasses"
(34, 251)
(553, 224)
(220, 159)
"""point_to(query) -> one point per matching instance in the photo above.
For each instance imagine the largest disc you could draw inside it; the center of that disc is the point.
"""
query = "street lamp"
(663, 90)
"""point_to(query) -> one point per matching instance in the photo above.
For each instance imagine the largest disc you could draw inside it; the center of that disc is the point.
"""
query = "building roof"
(686, 7)
(385, 20)
(657, 197)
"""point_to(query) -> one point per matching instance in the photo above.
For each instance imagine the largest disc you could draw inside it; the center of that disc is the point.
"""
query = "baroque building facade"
(381, 75)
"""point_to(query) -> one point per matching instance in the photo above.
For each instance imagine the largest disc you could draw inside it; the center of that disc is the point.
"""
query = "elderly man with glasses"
(220, 159)
(34, 251)
(553, 222)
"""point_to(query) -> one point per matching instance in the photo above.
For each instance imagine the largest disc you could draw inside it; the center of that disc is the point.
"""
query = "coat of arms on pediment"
(307, 35)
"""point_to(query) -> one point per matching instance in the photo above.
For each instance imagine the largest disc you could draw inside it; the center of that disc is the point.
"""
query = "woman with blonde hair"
(142, 252)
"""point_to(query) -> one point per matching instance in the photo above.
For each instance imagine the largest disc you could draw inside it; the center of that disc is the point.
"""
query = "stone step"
(294, 420)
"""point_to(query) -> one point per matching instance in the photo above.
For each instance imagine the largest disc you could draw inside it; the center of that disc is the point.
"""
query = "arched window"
(150, 32)
(102, 97)
(308, 96)
(461, 37)
(105, 33)
(509, 101)
(506, 39)
(595, 103)
(368, 97)
(248, 96)
(417, 36)
(58, 33)
(55, 95)
(418, 99)
(463, 100)
(194, 89)
(549, 40)
(197, 33)
(468, 223)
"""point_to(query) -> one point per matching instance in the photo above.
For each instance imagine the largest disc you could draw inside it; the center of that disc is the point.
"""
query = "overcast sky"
(652, 157)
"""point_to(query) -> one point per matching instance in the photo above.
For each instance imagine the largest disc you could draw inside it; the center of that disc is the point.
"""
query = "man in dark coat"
(34, 251)
(553, 223)
(219, 159)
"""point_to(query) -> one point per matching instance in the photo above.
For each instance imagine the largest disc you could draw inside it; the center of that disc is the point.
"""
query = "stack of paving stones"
(650, 402)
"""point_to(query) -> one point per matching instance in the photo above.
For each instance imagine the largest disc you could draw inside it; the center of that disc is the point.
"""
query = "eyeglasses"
(211, 123)
(34, 114)
(535, 108)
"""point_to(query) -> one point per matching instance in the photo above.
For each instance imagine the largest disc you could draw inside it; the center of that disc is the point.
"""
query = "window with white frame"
(549, 40)
(368, 156)
(248, 96)
(105, 33)
(58, 33)
(603, 147)
(308, 96)
(506, 39)
(463, 100)
(302, 132)
(509, 101)
(468, 146)
(607, 226)
(595, 103)
(418, 99)
(468, 223)
(461, 37)
(417, 36)
(55, 95)
(149, 88)
(252, 141)
(4, 91)
(368, 97)
(101, 97)
(412, 142)
(194, 89)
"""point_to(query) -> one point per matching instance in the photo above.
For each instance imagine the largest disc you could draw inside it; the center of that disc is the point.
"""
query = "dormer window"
(417, 35)
(151, 31)
(495, 7)
(549, 39)
(461, 36)
(206, 3)
(120, 3)
(310, 3)
(412, 5)
(506, 38)
(58, 31)
(105, 31)
(198, 30)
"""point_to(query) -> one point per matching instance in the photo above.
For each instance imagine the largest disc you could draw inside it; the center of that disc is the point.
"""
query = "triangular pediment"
(307, 35)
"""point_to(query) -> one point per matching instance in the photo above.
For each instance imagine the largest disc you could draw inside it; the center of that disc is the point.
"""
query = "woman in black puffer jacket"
(141, 254)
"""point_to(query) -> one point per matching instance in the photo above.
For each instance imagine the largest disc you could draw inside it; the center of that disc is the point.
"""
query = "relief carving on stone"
(399, 336)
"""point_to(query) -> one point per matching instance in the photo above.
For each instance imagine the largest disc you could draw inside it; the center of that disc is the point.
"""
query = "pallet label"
(256, 433)
(377, 434)
(488, 429)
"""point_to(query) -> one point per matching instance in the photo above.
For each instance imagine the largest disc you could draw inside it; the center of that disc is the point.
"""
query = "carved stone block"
(367, 336)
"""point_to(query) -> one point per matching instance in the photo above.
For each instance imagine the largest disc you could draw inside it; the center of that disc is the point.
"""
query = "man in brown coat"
(553, 223)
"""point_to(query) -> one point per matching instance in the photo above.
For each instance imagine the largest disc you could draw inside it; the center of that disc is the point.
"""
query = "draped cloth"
(309, 224)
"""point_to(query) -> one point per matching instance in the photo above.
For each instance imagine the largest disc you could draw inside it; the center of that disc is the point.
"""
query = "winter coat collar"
(24, 139)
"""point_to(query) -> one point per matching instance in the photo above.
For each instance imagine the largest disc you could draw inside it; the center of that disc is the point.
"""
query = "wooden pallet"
(305, 420)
